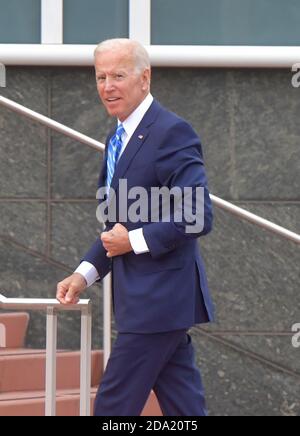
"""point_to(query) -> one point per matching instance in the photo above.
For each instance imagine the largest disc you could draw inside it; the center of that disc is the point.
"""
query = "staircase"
(22, 375)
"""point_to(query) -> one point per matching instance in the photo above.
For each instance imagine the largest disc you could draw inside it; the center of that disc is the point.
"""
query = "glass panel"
(92, 21)
(20, 22)
(226, 22)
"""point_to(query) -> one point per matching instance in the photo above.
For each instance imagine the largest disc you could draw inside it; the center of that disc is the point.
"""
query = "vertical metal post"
(85, 362)
(107, 283)
(51, 344)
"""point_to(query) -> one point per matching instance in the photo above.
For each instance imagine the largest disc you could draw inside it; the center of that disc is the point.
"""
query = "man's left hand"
(116, 242)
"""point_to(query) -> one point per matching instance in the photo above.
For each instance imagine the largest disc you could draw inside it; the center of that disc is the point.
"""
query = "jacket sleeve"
(97, 257)
(179, 163)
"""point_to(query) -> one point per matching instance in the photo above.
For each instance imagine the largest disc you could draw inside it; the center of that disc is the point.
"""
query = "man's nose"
(109, 85)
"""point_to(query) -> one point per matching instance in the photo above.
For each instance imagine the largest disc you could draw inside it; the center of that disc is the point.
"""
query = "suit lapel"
(133, 146)
(135, 143)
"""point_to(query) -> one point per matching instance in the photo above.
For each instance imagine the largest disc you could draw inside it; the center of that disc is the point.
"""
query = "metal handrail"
(48, 122)
(225, 205)
(255, 219)
(52, 306)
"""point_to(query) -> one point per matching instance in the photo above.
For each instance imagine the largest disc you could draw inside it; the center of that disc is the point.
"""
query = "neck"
(122, 119)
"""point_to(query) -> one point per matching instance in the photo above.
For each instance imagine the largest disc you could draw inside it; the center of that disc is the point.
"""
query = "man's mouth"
(112, 99)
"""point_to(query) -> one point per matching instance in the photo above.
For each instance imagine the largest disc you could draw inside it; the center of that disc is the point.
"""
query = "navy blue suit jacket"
(165, 289)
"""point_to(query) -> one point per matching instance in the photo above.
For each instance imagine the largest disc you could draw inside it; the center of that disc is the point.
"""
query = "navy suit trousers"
(164, 362)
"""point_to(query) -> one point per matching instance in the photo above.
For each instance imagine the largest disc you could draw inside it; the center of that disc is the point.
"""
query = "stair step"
(13, 327)
(22, 351)
(24, 370)
(22, 375)
(33, 395)
(32, 403)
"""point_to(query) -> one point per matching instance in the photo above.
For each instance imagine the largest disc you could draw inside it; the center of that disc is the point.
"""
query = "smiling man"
(159, 283)
(122, 84)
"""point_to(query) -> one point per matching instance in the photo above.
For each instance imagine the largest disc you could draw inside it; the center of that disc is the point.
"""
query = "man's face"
(120, 86)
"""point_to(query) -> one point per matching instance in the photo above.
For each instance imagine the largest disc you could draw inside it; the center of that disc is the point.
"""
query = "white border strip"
(52, 21)
(161, 56)
(140, 21)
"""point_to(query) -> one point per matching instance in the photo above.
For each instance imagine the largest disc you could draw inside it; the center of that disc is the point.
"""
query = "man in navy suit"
(159, 282)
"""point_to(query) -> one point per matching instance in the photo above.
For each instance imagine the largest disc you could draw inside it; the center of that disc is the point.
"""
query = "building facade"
(248, 121)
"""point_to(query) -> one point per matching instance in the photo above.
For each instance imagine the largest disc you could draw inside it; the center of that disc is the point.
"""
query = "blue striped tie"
(114, 149)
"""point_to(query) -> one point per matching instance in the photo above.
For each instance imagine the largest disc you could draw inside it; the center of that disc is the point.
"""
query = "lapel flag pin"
(141, 137)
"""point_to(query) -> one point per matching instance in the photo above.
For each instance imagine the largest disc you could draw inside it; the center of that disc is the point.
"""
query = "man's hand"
(68, 290)
(116, 242)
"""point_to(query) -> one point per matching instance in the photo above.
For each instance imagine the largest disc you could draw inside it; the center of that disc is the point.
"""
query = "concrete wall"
(248, 121)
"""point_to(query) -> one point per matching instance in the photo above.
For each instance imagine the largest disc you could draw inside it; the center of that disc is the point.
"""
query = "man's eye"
(101, 78)
(120, 76)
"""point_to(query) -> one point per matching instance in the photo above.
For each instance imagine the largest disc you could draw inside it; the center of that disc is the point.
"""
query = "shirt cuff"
(138, 242)
(89, 272)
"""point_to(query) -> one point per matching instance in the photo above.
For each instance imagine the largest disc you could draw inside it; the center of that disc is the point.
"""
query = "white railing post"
(85, 362)
(51, 342)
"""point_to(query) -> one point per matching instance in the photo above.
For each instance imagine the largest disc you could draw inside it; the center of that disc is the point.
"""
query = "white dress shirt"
(136, 237)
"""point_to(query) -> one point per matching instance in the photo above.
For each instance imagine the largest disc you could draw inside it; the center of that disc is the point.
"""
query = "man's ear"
(146, 77)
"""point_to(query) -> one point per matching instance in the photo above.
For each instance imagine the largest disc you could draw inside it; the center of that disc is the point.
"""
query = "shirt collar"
(131, 123)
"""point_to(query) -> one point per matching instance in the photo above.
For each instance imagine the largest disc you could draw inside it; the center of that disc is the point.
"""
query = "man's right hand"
(69, 290)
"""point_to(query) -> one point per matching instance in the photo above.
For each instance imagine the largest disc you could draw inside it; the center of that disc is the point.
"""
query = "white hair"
(140, 55)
